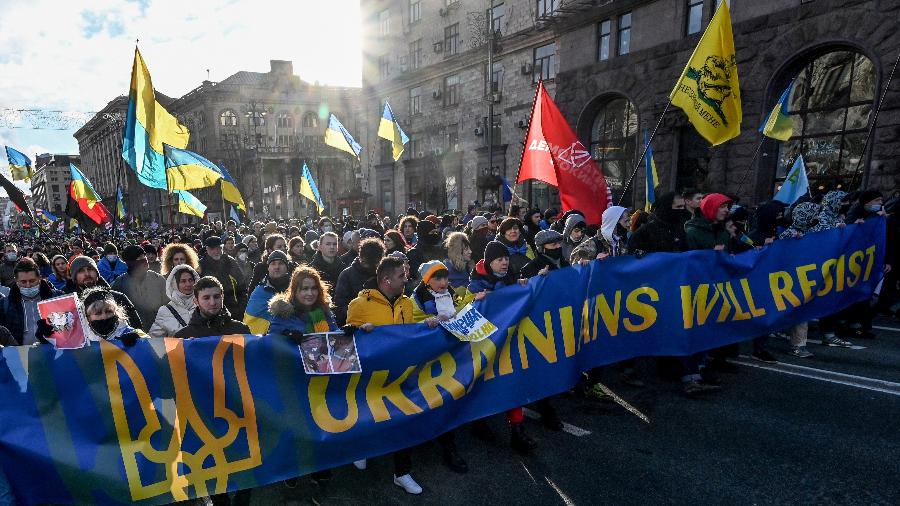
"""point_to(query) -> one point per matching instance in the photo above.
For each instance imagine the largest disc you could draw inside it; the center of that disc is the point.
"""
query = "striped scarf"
(317, 322)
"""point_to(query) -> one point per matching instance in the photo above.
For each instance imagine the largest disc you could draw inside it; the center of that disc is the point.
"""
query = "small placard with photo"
(66, 317)
(329, 353)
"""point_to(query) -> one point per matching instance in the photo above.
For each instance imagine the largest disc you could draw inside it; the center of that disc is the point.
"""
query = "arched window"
(830, 104)
(613, 135)
(310, 120)
(228, 118)
(285, 120)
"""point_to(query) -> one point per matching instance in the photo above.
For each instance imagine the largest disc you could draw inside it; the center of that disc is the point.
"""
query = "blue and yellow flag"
(230, 190)
(778, 124)
(652, 175)
(708, 91)
(186, 170)
(45, 215)
(309, 189)
(234, 214)
(747, 240)
(148, 126)
(338, 137)
(389, 129)
(189, 204)
(19, 164)
(120, 204)
(795, 184)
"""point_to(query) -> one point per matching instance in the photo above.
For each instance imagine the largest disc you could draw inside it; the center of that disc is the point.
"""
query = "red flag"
(554, 154)
(80, 206)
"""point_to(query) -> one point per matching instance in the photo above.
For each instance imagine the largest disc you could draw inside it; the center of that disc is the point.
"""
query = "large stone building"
(610, 66)
(50, 182)
(261, 127)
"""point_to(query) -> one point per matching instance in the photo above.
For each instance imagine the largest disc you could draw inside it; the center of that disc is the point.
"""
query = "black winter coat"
(328, 271)
(349, 284)
(122, 300)
(12, 312)
(220, 325)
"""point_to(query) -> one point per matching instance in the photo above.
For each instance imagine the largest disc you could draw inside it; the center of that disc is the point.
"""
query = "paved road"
(793, 433)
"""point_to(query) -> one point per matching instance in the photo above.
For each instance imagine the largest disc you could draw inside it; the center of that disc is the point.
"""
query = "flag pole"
(643, 153)
(872, 126)
(750, 165)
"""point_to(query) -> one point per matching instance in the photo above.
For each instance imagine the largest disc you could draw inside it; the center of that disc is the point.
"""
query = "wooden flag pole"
(643, 153)
(872, 126)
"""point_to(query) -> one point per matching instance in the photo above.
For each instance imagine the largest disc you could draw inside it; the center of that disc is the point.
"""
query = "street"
(788, 433)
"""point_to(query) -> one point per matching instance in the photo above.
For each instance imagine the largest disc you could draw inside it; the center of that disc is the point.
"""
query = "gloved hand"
(42, 331)
(295, 336)
(129, 339)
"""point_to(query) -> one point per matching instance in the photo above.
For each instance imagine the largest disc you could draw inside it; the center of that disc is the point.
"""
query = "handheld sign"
(65, 315)
(469, 325)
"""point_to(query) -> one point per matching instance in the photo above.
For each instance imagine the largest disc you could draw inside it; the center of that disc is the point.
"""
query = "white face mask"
(111, 258)
(242, 257)
(12, 256)
(326, 228)
(873, 208)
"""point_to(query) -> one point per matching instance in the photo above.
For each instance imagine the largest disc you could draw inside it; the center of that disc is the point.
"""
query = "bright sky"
(77, 55)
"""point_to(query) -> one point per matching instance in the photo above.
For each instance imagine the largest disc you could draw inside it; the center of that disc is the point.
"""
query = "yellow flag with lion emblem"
(708, 90)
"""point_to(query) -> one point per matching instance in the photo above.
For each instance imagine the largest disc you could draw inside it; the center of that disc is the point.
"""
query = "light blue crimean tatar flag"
(795, 184)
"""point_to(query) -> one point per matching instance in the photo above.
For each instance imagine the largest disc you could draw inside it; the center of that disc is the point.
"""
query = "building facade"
(50, 181)
(446, 66)
(261, 127)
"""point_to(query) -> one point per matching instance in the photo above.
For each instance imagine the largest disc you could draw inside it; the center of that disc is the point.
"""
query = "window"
(625, 33)
(451, 90)
(257, 118)
(830, 103)
(496, 14)
(415, 100)
(547, 8)
(495, 79)
(228, 118)
(603, 37)
(415, 54)
(285, 120)
(451, 39)
(384, 65)
(453, 137)
(544, 62)
(612, 143)
(55, 188)
(310, 120)
(285, 141)
(415, 10)
(384, 22)
(694, 16)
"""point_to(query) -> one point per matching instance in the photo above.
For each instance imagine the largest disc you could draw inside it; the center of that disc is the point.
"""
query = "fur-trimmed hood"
(280, 306)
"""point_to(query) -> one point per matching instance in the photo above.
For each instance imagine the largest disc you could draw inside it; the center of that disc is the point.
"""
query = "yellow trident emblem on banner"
(182, 468)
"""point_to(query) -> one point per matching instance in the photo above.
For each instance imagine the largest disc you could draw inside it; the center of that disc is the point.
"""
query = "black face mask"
(104, 327)
(554, 254)
(783, 221)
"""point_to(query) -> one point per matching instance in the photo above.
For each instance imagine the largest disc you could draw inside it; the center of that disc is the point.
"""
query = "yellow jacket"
(371, 306)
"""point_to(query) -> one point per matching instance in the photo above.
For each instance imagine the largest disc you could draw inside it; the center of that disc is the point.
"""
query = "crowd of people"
(297, 277)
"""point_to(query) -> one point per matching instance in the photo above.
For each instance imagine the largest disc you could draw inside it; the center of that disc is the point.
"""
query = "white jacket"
(165, 324)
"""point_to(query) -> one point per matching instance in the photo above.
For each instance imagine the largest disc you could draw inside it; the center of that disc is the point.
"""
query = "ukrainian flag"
(338, 137)
(120, 204)
(89, 201)
(189, 204)
(652, 175)
(389, 129)
(230, 191)
(46, 215)
(778, 124)
(309, 189)
(148, 126)
(19, 164)
(186, 170)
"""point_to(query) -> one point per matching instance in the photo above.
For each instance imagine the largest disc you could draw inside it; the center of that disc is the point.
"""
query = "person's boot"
(519, 440)
(483, 431)
(550, 418)
(454, 460)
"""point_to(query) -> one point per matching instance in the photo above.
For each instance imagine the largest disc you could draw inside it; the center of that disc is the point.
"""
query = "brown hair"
(407, 219)
(398, 239)
(169, 253)
(306, 272)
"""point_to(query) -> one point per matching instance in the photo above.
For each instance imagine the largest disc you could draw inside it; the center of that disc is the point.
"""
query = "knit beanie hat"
(110, 249)
(493, 251)
(424, 228)
(428, 269)
(132, 252)
(866, 196)
(81, 262)
(545, 237)
(277, 256)
(509, 223)
(478, 222)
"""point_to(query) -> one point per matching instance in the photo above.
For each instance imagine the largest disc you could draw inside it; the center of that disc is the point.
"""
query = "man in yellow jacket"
(382, 302)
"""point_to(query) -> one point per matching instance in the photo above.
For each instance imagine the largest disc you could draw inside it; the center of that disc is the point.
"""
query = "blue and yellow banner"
(148, 126)
(779, 124)
(186, 170)
(309, 189)
(170, 419)
(189, 204)
(230, 190)
(389, 129)
(339, 137)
